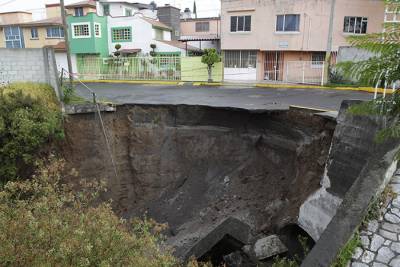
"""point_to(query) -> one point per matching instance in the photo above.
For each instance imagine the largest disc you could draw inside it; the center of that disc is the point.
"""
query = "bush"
(44, 222)
(29, 118)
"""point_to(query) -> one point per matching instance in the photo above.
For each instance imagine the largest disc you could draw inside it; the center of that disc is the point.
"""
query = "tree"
(384, 66)
(195, 9)
(210, 57)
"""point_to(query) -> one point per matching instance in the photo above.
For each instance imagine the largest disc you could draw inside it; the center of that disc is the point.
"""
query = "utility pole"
(329, 42)
(66, 37)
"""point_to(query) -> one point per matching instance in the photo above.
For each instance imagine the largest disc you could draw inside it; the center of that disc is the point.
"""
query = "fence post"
(323, 73)
(304, 66)
(287, 72)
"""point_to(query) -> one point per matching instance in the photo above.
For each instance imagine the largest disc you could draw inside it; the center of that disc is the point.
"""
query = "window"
(355, 25)
(106, 9)
(55, 32)
(202, 26)
(81, 30)
(288, 23)
(240, 23)
(121, 34)
(317, 59)
(128, 12)
(240, 59)
(79, 12)
(97, 30)
(14, 38)
(159, 34)
(34, 33)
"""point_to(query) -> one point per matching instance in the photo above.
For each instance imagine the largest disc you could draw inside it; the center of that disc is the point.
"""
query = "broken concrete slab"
(268, 247)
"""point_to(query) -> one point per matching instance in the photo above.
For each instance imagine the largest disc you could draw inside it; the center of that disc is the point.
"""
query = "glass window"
(14, 38)
(121, 34)
(355, 25)
(97, 29)
(240, 59)
(288, 23)
(318, 58)
(106, 9)
(128, 12)
(202, 26)
(159, 34)
(81, 30)
(240, 23)
(34, 33)
(79, 12)
(55, 32)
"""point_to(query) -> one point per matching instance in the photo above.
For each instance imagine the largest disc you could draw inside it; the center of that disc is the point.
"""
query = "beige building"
(281, 40)
(201, 32)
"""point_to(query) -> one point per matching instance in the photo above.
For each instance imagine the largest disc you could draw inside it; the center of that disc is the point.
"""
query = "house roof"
(53, 5)
(138, 5)
(180, 45)
(130, 51)
(205, 37)
(156, 23)
(60, 47)
(200, 19)
(86, 3)
(11, 12)
(44, 22)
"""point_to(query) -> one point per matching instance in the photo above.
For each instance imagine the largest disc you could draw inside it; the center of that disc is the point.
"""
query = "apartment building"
(201, 32)
(280, 40)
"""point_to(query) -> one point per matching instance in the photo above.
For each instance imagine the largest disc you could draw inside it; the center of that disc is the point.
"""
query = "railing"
(130, 68)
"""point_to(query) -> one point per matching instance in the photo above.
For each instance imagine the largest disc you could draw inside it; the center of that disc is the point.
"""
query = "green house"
(88, 35)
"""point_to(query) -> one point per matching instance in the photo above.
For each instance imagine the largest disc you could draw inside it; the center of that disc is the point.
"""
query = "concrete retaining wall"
(355, 176)
(29, 65)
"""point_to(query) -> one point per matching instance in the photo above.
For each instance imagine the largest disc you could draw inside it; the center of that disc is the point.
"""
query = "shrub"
(29, 118)
(44, 222)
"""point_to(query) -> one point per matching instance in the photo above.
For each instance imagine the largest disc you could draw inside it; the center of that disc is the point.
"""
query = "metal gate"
(273, 66)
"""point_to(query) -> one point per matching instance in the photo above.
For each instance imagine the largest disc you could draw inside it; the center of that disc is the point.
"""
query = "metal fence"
(130, 68)
(306, 72)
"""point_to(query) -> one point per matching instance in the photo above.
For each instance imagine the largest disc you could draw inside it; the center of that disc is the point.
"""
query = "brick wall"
(29, 65)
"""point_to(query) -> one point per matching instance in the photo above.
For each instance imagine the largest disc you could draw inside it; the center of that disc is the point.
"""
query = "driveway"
(224, 96)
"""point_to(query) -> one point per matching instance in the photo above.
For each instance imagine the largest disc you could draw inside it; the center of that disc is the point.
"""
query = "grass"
(347, 251)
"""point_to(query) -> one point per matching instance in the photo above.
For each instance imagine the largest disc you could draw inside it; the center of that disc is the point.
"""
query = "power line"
(8, 2)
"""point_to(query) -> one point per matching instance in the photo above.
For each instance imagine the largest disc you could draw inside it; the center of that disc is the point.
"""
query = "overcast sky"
(205, 8)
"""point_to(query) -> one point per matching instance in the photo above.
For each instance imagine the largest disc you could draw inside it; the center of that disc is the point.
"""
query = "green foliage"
(347, 251)
(44, 222)
(210, 57)
(29, 118)
(384, 66)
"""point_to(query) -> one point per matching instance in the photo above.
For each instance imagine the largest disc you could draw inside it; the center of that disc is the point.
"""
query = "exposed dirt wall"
(193, 166)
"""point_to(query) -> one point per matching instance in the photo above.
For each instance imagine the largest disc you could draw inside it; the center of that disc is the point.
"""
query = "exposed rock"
(238, 259)
(377, 242)
(378, 264)
(395, 262)
(357, 253)
(367, 256)
(365, 241)
(395, 228)
(388, 235)
(358, 264)
(384, 255)
(392, 218)
(395, 247)
(396, 202)
(268, 247)
(373, 226)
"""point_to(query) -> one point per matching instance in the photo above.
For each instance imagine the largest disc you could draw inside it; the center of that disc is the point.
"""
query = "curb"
(359, 89)
(134, 82)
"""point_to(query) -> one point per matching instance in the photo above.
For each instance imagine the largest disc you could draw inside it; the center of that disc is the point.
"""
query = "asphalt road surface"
(226, 96)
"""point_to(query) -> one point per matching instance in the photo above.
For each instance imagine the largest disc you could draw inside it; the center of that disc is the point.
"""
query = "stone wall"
(29, 65)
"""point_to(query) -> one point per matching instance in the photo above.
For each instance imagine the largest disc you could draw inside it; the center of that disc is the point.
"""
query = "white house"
(137, 33)
(124, 8)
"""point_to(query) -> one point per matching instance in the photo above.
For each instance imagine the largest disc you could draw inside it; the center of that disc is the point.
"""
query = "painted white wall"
(142, 35)
(62, 63)
(167, 35)
(240, 74)
(118, 10)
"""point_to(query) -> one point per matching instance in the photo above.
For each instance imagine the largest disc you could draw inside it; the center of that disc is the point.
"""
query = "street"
(238, 97)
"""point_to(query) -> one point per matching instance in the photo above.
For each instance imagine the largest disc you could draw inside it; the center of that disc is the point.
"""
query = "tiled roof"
(60, 47)
(44, 22)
